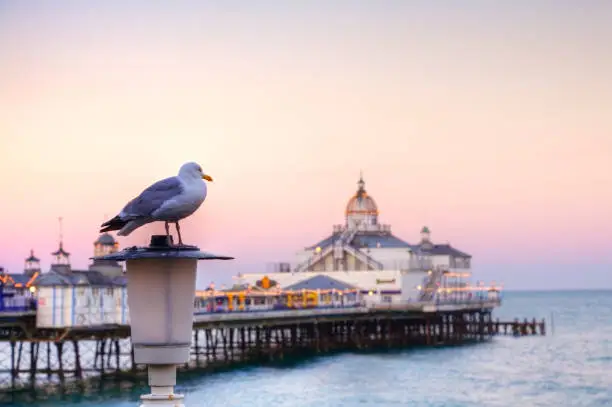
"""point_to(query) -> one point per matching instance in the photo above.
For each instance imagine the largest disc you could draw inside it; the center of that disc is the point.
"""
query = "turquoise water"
(570, 367)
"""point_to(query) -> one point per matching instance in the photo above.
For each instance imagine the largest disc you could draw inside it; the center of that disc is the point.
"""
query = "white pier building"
(68, 297)
(366, 254)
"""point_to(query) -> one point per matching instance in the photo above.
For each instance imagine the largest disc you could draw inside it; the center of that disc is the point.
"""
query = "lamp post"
(161, 282)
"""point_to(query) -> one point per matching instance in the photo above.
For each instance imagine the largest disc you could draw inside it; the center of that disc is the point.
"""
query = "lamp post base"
(162, 379)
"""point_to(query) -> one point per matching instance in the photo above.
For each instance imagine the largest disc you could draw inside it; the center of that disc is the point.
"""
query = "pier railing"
(353, 309)
(276, 307)
(28, 307)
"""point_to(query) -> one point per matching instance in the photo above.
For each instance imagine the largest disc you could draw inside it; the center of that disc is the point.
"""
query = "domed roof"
(361, 203)
(106, 239)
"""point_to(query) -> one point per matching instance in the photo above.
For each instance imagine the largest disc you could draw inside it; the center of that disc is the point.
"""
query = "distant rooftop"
(320, 282)
(79, 277)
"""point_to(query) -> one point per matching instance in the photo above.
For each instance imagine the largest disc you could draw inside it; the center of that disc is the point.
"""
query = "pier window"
(259, 301)
(460, 262)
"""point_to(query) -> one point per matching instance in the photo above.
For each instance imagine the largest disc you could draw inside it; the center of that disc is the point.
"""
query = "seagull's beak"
(207, 178)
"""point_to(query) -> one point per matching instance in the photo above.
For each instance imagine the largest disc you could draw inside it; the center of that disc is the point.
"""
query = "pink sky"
(491, 125)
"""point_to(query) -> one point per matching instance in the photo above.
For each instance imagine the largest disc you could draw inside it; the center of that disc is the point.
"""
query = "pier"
(35, 362)
(360, 289)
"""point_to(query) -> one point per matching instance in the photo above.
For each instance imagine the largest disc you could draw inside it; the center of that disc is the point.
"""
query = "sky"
(489, 122)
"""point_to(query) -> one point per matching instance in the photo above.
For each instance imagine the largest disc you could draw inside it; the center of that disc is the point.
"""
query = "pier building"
(69, 297)
(365, 254)
(318, 292)
(18, 290)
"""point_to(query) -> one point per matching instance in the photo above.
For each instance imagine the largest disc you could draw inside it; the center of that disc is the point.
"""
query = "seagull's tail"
(115, 223)
(131, 225)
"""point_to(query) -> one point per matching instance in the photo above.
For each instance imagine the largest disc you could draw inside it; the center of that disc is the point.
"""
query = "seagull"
(168, 200)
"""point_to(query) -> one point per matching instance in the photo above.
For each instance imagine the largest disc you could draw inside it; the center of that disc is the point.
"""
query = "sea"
(570, 367)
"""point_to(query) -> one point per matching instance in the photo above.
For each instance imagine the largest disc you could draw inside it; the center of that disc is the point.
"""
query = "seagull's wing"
(152, 198)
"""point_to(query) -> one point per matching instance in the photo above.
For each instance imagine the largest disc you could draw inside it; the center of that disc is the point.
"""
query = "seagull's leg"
(178, 231)
(167, 224)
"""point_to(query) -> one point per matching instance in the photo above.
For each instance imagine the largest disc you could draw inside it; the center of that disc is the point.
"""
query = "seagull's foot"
(168, 235)
(178, 231)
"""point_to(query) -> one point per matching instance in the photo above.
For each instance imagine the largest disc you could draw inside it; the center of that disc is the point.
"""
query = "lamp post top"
(162, 247)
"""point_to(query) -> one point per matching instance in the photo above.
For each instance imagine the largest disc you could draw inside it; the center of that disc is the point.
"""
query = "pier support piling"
(30, 363)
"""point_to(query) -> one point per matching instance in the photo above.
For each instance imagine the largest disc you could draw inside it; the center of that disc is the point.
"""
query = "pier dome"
(105, 244)
(361, 208)
(106, 239)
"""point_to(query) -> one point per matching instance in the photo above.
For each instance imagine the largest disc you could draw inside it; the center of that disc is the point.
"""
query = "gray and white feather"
(168, 200)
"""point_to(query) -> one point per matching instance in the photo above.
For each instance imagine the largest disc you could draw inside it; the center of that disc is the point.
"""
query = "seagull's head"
(193, 170)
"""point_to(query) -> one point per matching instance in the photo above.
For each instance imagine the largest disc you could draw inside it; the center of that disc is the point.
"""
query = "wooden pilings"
(51, 359)
(519, 328)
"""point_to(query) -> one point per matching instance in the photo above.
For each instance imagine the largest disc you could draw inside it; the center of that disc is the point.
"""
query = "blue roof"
(52, 278)
(388, 240)
(385, 240)
(441, 250)
(325, 242)
(79, 277)
(366, 239)
(320, 282)
(18, 278)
